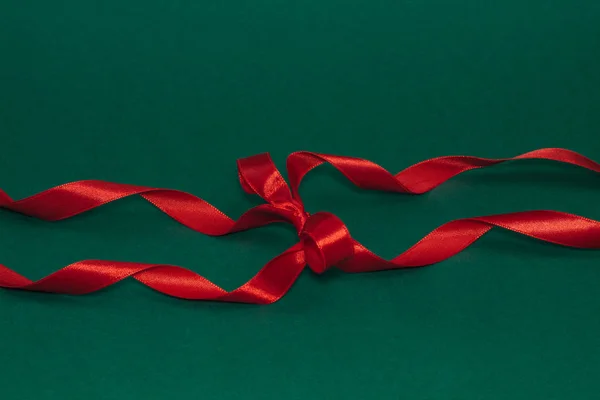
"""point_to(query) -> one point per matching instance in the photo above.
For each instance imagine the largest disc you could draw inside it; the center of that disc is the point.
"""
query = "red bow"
(324, 239)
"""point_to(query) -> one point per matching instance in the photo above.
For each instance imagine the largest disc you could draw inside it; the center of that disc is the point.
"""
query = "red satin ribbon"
(324, 239)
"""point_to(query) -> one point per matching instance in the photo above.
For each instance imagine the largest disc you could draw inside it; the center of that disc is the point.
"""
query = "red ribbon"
(324, 239)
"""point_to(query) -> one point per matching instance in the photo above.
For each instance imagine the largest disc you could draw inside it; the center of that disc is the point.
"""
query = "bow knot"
(325, 239)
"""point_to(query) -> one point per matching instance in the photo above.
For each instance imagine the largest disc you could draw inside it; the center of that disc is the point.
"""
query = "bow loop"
(259, 175)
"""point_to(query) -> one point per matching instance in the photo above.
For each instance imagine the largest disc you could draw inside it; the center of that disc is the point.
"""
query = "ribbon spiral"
(324, 239)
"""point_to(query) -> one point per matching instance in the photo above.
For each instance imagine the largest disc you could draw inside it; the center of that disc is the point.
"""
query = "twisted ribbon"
(324, 240)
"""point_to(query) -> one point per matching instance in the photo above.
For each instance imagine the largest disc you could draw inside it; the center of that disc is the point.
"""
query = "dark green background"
(171, 93)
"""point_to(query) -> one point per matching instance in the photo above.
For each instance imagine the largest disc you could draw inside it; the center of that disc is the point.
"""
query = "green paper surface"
(170, 93)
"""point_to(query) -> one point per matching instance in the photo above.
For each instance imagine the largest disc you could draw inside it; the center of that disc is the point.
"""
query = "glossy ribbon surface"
(324, 240)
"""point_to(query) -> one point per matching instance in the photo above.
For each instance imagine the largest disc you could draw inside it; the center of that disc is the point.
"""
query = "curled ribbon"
(324, 240)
